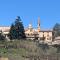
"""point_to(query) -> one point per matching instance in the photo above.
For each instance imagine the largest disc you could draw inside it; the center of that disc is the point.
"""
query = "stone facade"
(39, 34)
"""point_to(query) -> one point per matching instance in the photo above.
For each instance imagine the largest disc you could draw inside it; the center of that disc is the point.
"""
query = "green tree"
(56, 30)
(2, 37)
(17, 29)
(12, 32)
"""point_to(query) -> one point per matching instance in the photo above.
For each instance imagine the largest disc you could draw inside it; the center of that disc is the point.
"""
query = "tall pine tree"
(17, 29)
(56, 30)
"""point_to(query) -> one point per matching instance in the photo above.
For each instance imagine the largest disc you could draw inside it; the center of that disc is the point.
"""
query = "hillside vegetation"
(28, 50)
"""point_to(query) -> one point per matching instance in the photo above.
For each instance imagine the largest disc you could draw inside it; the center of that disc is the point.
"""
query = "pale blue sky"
(30, 10)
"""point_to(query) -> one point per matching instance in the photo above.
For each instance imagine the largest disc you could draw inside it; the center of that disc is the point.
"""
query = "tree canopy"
(56, 30)
(17, 29)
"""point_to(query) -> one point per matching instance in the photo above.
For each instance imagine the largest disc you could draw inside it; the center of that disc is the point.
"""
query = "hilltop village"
(32, 33)
(38, 44)
(45, 36)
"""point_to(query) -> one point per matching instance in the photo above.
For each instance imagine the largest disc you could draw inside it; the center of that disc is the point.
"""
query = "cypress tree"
(17, 29)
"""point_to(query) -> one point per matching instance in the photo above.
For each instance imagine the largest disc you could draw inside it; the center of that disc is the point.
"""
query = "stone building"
(39, 34)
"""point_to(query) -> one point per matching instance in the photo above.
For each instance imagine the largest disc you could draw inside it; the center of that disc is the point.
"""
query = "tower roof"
(38, 24)
(38, 20)
(30, 25)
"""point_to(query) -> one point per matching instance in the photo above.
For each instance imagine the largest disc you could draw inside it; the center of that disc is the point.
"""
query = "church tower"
(38, 25)
(30, 26)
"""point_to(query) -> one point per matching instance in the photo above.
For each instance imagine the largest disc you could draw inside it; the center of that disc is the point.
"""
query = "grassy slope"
(23, 49)
(17, 49)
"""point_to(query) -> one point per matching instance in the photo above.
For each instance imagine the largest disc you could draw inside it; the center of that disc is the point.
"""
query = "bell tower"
(30, 26)
(38, 24)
